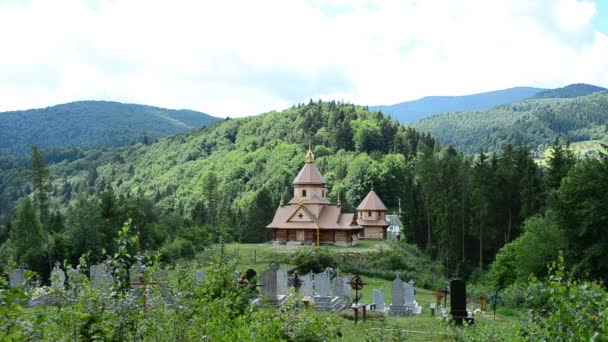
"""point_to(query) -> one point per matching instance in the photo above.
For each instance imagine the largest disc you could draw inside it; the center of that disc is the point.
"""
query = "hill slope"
(410, 111)
(94, 124)
(569, 91)
(536, 122)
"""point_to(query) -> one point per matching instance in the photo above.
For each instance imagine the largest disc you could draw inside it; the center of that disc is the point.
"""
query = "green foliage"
(570, 310)
(26, 235)
(313, 259)
(95, 124)
(403, 257)
(580, 208)
(533, 122)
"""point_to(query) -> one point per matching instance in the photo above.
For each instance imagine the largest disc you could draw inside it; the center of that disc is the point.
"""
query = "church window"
(369, 213)
(322, 193)
(303, 193)
(300, 216)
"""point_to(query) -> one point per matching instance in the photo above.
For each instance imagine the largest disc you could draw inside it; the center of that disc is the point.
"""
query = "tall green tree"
(581, 210)
(26, 234)
(41, 181)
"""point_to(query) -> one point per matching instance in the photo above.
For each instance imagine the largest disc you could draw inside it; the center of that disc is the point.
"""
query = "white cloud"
(242, 57)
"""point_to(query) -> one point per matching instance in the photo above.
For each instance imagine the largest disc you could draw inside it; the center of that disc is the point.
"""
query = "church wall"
(374, 233)
(280, 235)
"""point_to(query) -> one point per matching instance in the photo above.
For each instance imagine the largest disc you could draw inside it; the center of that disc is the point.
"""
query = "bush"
(313, 259)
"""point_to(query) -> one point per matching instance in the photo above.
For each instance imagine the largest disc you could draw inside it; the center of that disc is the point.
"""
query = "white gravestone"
(322, 284)
(378, 299)
(282, 282)
(57, 277)
(16, 278)
(307, 285)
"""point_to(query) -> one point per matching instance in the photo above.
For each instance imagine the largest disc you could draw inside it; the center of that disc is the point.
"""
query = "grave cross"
(495, 299)
(357, 284)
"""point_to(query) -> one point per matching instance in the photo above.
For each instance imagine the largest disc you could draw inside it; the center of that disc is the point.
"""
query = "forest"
(494, 218)
(223, 182)
(92, 124)
(535, 122)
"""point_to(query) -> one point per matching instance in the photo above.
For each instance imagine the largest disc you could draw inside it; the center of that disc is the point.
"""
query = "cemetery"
(356, 303)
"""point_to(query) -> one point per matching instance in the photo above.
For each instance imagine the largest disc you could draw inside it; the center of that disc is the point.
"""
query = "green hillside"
(535, 122)
(95, 124)
(569, 91)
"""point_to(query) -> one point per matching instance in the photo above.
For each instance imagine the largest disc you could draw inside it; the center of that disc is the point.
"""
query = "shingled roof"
(309, 175)
(372, 202)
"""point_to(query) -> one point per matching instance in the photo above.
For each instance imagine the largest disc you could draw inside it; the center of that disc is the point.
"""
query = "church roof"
(372, 202)
(330, 217)
(309, 175)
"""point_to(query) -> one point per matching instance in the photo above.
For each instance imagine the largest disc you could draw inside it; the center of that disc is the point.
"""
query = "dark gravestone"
(458, 302)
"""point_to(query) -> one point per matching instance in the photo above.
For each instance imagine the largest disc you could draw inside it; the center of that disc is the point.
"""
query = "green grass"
(422, 327)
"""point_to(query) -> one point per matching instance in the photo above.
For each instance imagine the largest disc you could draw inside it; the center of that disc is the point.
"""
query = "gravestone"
(347, 288)
(339, 287)
(57, 277)
(282, 282)
(379, 299)
(16, 278)
(101, 278)
(458, 302)
(410, 300)
(269, 288)
(323, 300)
(322, 284)
(307, 285)
(398, 306)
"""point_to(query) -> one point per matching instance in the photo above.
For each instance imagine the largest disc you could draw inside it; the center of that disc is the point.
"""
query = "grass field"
(422, 327)
(580, 149)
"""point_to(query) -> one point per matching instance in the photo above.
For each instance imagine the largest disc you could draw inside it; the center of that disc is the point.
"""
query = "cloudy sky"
(237, 58)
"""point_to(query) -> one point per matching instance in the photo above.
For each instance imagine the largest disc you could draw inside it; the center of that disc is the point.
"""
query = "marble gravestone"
(269, 288)
(323, 300)
(307, 285)
(199, 275)
(57, 277)
(282, 282)
(398, 306)
(16, 278)
(101, 277)
(410, 300)
(379, 299)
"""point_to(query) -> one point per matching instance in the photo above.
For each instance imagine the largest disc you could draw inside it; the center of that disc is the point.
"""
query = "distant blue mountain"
(569, 91)
(410, 111)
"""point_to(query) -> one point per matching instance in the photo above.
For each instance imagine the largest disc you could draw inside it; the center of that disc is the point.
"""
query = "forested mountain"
(95, 124)
(572, 90)
(224, 182)
(536, 122)
(410, 111)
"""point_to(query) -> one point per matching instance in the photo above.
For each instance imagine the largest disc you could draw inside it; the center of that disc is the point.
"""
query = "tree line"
(224, 183)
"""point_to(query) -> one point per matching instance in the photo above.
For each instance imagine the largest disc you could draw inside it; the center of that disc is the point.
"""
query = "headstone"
(16, 278)
(199, 275)
(347, 288)
(410, 300)
(270, 288)
(398, 306)
(379, 299)
(322, 284)
(323, 300)
(101, 278)
(57, 277)
(282, 282)
(339, 287)
(458, 301)
(307, 285)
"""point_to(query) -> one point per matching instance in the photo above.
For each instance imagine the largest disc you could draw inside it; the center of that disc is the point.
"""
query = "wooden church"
(309, 217)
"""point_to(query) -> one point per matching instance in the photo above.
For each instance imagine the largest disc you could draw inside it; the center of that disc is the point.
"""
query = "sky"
(239, 58)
